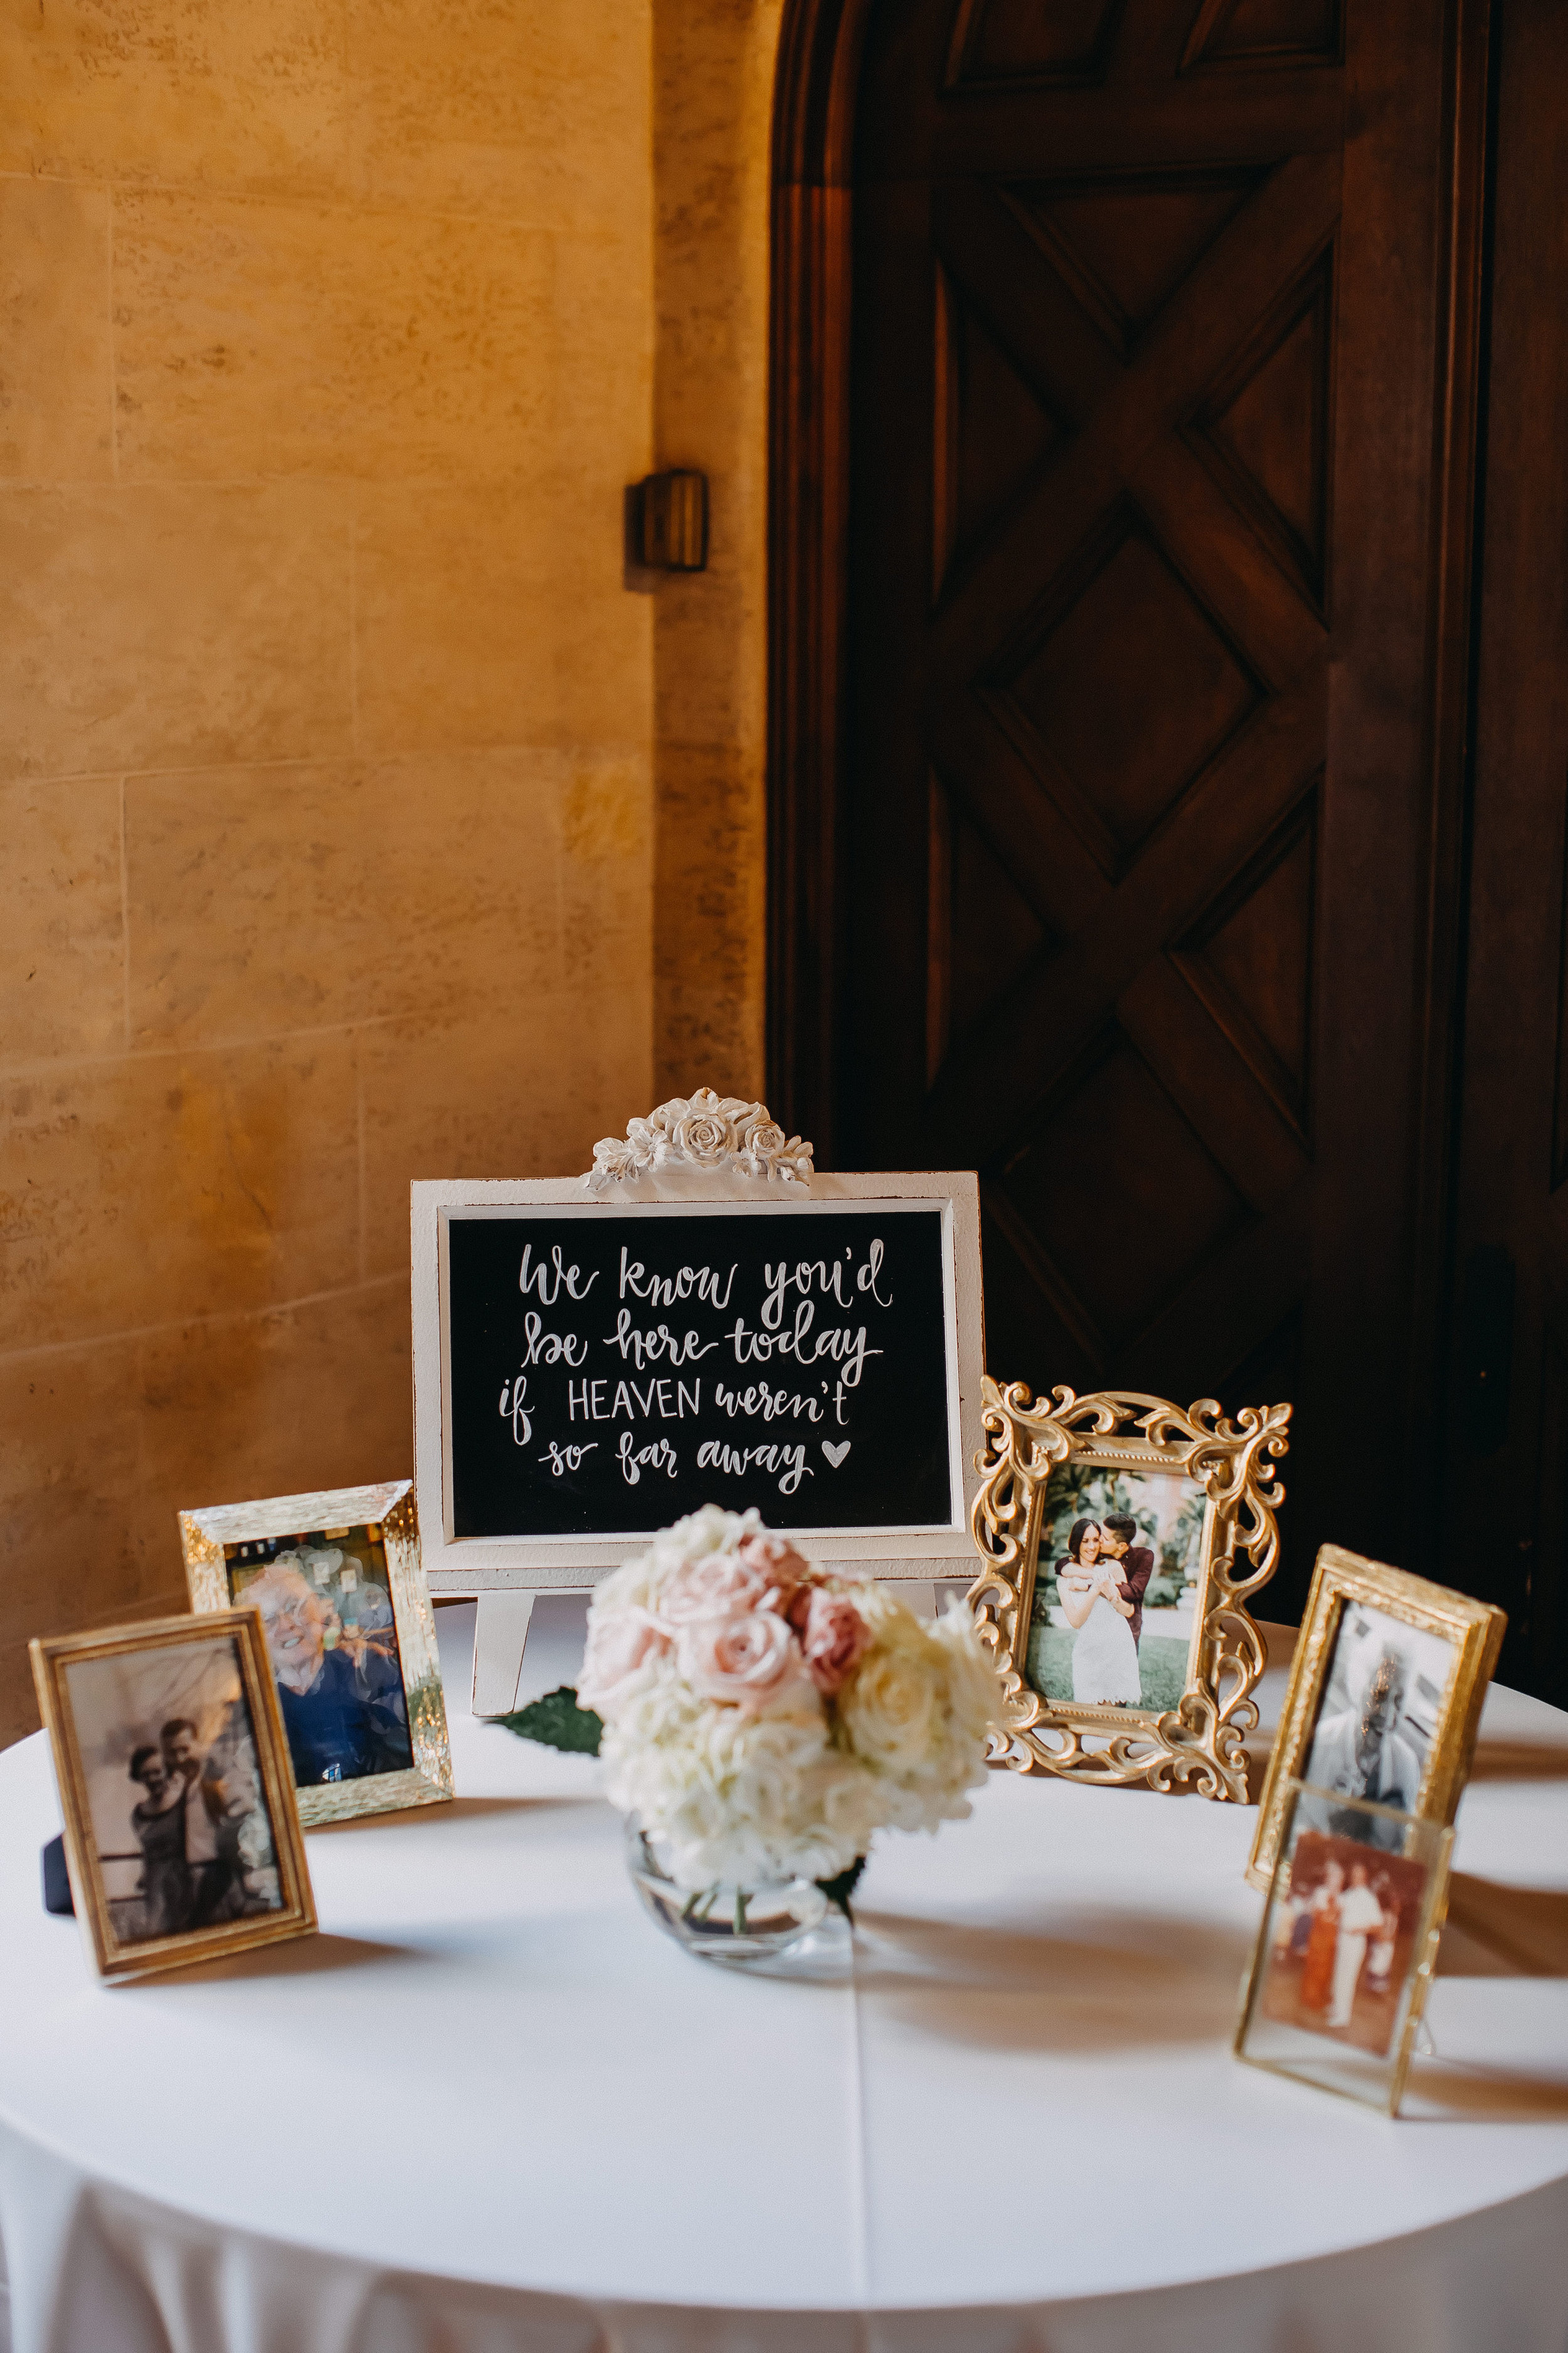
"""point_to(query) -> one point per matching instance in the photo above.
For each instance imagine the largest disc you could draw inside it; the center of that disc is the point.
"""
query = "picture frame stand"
(501, 1623)
(506, 1623)
(1351, 2032)
(57, 1898)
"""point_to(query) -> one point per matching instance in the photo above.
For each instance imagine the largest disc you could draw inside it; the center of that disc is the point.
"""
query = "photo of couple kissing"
(1101, 1583)
(1120, 1567)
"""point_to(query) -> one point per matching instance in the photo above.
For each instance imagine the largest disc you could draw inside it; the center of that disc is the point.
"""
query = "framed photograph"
(1344, 1957)
(1122, 1537)
(1384, 1696)
(180, 1833)
(350, 1634)
(587, 1368)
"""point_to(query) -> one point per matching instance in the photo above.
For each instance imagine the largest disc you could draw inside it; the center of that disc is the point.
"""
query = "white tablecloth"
(492, 2107)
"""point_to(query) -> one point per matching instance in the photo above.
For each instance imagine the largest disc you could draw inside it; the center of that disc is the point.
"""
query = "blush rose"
(783, 1568)
(832, 1640)
(716, 1585)
(620, 1644)
(748, 1662)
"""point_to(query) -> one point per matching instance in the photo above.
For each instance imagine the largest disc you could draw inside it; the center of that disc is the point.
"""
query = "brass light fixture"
(671, 532)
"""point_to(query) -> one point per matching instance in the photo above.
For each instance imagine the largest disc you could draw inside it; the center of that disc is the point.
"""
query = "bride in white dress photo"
(1104, 1654)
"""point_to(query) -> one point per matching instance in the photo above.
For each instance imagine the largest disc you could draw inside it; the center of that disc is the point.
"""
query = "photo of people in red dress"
(1342, 1941)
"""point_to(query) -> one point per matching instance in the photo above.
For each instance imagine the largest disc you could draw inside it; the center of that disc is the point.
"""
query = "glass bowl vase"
(745, 1925)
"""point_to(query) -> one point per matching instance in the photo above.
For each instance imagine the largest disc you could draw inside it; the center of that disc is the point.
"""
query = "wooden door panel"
(1228, 33)
(1217, 831)
(998, 41)
(1133, 845)
(993, 432)
(1134, 418)
(987, 249)
(1212, 1082)
(1502, 1524)
(1019, 131)
(1248, 974)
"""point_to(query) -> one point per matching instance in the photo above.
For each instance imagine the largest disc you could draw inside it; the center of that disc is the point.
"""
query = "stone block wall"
(327, 723)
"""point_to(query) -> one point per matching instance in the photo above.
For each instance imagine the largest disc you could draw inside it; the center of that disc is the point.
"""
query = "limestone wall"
(713, 85)
(327, 338)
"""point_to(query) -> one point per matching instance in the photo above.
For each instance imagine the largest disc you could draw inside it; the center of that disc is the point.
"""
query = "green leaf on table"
(557, 1722)
(840, 1889)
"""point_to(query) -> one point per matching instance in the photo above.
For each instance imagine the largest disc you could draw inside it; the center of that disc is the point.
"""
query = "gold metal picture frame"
(105, 1698)
(214, 1540)
(1198, 1742)
(1346, 1593)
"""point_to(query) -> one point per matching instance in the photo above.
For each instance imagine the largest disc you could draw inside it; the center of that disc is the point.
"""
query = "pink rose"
(776, 1559)
(716, 1586)
(746, 1661)
(834, 1639)
(619, 1642)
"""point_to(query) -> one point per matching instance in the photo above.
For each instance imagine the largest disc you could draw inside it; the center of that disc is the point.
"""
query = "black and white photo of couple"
(181, 1828)
(1115, 1592)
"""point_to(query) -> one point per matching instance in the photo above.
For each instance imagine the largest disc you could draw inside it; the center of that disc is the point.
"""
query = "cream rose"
(892, 1706)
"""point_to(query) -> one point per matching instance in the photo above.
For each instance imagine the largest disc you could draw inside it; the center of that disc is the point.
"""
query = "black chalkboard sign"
(605, 1373)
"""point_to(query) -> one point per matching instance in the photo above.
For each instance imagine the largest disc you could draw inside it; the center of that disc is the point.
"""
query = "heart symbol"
(835, 1454)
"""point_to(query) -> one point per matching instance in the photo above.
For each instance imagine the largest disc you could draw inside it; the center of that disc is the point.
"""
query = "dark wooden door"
(1158, 489)
(1504, 1529)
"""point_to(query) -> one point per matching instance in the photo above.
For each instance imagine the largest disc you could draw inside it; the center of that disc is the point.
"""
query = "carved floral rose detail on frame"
(703, 1131)
(702, 1135)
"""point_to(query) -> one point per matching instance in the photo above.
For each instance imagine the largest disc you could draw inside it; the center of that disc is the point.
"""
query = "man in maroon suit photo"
(1134, 1563)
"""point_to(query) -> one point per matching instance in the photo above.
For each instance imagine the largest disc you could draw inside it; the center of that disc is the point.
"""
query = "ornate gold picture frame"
(338, 1577)
(182, 1837)
(1149, 1454)
(1392, 1673)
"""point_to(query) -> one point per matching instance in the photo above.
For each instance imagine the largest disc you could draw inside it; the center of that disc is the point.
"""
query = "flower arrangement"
(764, 1719)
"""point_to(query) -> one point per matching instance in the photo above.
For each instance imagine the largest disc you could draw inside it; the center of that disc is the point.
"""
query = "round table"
(489, 2107)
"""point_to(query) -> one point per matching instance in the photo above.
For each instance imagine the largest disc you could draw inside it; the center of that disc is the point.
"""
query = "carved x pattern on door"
(1126, 705)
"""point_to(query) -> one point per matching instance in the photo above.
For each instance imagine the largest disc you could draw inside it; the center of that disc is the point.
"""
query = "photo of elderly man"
(328, 1617)
(1379, 1707)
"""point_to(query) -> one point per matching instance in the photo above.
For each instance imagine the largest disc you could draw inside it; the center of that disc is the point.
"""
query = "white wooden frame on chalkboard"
(524, 1564)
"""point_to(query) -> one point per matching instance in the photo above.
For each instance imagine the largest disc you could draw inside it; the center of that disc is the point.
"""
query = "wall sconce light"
(671, 522)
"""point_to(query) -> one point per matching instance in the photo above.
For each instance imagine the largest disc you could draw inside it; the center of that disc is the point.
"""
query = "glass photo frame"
(1344, 1961)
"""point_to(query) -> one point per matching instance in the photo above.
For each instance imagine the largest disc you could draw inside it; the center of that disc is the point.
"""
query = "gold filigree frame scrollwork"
(1199, 1744)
